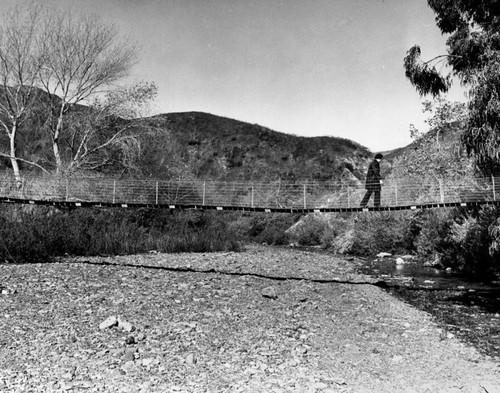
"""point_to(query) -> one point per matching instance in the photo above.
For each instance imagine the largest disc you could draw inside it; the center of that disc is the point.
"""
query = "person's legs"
(376, 202)
(366, 198)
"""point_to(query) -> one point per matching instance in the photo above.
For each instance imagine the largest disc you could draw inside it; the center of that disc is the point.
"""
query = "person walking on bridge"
(373, 182)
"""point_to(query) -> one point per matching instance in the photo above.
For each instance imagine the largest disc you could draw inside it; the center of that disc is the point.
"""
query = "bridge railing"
(272, 194)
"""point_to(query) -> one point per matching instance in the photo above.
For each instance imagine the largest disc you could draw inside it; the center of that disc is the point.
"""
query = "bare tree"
(109, 124)
(83, 58)
(20, 65)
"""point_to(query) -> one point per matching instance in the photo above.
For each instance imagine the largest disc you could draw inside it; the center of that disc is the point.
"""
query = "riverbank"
(264, 320)
(466, 308)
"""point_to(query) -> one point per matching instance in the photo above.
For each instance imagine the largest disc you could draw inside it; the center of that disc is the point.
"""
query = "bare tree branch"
(26, 161)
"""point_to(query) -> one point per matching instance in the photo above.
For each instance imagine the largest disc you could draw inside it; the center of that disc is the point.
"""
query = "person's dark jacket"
(373, 177)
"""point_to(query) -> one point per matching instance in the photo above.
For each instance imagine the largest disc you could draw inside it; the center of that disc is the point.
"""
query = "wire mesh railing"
(271, 194)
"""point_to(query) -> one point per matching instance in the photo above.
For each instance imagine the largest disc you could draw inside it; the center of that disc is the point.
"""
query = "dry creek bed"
(263, 320)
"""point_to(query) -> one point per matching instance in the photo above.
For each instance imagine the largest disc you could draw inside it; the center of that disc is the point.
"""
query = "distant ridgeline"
(195, 145)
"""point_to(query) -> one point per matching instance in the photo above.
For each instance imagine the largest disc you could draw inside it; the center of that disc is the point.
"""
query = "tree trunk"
(55, 143)
(13, 157)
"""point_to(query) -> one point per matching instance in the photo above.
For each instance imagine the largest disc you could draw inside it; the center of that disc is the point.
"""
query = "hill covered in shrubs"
(201, 145)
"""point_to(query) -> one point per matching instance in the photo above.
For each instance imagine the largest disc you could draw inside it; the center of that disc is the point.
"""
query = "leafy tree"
(473, 56)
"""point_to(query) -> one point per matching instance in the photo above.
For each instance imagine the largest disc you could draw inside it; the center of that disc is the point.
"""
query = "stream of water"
(424, 276)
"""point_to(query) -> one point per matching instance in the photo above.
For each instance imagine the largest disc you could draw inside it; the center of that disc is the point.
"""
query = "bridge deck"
(272, 196)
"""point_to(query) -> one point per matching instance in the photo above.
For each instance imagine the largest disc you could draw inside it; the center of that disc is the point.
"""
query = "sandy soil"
(265, 320)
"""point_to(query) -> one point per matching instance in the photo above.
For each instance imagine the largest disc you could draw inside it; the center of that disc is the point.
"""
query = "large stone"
(108, 323)
(190, 359)
(125, 326)
(269, 292)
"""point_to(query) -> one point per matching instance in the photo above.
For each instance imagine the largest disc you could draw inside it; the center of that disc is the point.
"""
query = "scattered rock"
(130, 340)
(147, 362)
(319, 386)
(302, 350)
(383, 254)
(125, 326)
(129, 366)
(129, 355)
(141, 336)
(434, 263)
(117, 352)
(269, 292)
(69, 375)
(400, 261)
(191, 359)
(108, 323)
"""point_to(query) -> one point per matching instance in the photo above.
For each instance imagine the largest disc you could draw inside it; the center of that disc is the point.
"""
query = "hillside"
(207, 146)
(204, 146)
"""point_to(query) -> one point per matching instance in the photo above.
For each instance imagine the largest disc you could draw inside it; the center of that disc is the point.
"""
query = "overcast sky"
(304, 67)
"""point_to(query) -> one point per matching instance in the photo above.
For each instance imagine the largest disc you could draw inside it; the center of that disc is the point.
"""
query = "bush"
(432, 228)
(471, 238)
(266, 228)
(311, 231)
(462, 239)
(37, 235)
(383, 231)
(360, 234)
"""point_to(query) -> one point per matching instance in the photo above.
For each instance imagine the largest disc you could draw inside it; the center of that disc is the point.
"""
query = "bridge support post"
(114, 191)
(494, 190)
(156, 193)
(252, 195)
(204, 192)
(305, 190)
(441, 190)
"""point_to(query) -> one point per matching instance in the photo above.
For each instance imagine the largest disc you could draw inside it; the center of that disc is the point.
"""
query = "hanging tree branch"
(425, 78)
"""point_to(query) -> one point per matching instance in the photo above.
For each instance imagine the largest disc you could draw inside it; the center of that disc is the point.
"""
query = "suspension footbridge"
(272, 196)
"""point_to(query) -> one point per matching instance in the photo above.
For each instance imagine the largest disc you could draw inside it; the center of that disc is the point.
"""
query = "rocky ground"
(264, 320)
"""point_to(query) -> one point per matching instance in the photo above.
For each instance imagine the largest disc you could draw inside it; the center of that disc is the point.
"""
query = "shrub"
(462, 239)
(432, 228)
(311, 231)
(382, 231)
(266, 228)
(37, 235)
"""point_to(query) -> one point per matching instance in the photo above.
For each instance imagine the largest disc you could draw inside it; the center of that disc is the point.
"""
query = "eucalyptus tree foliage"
(482, 138)
(20, 65)
(473, 45)
(424, 75)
